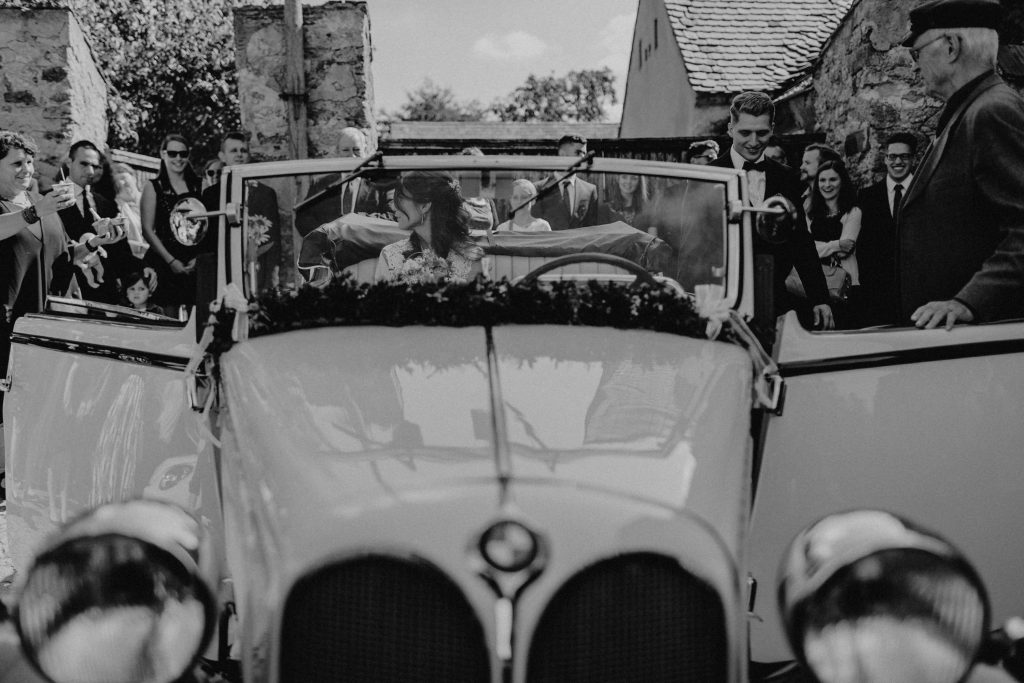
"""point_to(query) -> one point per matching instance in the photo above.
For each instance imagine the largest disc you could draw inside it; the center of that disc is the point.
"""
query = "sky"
(483, 49)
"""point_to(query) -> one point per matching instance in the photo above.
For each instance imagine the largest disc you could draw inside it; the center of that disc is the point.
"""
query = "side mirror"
(867, 596)
(187, 228)
(776, 219)
(118, 596)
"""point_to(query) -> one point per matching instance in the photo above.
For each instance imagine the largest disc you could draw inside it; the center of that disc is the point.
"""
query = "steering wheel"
(641, 273)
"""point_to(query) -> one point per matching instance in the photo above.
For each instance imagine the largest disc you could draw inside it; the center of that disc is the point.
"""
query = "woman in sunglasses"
(211, 172)
(174, 261)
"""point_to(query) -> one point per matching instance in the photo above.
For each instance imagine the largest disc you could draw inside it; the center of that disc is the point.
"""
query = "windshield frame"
(738, 240)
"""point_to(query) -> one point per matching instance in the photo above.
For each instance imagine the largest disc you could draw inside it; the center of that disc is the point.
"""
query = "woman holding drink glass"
(35, 253)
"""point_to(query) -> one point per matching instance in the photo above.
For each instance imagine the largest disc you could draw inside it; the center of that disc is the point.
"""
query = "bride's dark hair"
(449, 218)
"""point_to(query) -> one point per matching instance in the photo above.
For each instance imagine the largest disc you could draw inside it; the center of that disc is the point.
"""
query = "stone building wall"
(337, 70)
(51, 87)
(866, 87)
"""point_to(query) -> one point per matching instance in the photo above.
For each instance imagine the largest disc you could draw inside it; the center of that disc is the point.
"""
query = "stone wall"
(866, 87)
(51, 87)
(337, 68)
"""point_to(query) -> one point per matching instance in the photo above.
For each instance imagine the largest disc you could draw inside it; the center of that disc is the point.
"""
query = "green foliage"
(577, 96)
(432, 102)
(170, 65)
(481, 302)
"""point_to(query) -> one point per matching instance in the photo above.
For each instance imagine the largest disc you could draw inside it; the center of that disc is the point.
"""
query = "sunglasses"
(212, 172)
(176, 153)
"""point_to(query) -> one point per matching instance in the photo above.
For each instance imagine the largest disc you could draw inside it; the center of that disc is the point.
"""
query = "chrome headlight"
(117, 596)
(866, 596)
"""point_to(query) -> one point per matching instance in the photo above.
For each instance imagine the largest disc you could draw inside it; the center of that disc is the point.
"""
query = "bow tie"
(760, 166)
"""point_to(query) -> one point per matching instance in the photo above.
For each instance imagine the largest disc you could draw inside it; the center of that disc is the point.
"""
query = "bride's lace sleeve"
(389, 264)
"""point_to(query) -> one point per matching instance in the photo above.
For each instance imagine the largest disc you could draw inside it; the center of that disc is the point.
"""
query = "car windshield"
(304, 228)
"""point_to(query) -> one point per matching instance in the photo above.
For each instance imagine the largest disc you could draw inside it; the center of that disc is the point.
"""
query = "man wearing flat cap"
(960, 227)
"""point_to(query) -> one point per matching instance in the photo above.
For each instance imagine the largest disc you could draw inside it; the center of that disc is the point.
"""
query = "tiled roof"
(497, 130)
(734, 45)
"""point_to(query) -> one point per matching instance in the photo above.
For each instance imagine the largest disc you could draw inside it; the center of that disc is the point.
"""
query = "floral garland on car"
(480, 302)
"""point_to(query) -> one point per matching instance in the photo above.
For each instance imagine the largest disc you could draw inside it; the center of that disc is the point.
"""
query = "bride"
(430, 205)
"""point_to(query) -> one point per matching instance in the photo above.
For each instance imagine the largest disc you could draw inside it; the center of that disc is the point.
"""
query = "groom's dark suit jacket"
(797, 252)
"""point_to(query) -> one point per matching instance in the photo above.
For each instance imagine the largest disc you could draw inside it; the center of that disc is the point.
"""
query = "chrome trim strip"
(157, 360)
(502, 452)
(926, 354)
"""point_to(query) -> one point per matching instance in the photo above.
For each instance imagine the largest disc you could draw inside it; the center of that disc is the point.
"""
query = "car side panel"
(97, 412)
(939, 441)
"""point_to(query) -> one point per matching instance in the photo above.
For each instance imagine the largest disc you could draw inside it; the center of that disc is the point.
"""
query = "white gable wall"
(659, 101)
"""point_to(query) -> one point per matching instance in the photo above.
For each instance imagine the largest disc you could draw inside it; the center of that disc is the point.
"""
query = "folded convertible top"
(352, 238)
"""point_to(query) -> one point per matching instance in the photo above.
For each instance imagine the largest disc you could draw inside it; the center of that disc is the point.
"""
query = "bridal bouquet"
(425, 267)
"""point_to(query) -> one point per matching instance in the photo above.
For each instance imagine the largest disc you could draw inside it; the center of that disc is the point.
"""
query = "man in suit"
(574, 204)
(960, 243)
(751, 120)
(327, 200)
(876, 244)
(85, 166)
(264, 220)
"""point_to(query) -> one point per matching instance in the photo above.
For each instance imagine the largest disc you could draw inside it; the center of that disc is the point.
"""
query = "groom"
(751, 120)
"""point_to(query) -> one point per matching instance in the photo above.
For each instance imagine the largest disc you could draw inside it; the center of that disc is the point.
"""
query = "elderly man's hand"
(935, 313)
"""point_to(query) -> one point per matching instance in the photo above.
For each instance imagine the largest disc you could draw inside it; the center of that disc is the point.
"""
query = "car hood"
(339, 419)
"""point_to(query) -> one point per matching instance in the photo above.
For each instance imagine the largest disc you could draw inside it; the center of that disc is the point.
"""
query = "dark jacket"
(551, 207)
(119, 262)
(797, 252)
(371, 199)
(876, 255)
(961, 226)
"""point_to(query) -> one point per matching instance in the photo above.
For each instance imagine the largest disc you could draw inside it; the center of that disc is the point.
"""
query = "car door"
(925, 423)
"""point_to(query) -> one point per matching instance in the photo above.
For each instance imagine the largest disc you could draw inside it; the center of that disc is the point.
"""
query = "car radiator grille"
(380, 618)
(636, 617)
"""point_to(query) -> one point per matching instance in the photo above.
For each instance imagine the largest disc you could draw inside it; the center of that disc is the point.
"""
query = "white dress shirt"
(755, 179)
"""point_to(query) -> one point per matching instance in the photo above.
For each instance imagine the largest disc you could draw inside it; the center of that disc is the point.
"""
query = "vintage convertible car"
(547, 474)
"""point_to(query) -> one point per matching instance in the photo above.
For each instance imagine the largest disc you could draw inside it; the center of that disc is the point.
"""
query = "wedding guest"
(136, 293)
(35, 252)
(173, 261)
(876, 246)
(960, 229)
(523, 194)
(127, 197)
(814, 154)
(263, 225)
(85, 167)
(211, 171)
(328, 200)
(702, 152)
(430, 206)
(574, 203)
(482, 209)
(776, 153)
(629, 197)
(835, 225)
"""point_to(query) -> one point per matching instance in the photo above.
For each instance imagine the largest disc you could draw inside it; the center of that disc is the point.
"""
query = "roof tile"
(733, 45)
